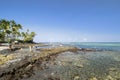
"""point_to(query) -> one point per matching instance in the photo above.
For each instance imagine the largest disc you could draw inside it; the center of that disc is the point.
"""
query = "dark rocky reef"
(25, 68)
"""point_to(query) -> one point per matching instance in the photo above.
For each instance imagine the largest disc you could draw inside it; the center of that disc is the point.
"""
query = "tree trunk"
(10, 46)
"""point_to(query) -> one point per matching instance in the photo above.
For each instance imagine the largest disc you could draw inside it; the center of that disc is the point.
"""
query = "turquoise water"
(96, 45)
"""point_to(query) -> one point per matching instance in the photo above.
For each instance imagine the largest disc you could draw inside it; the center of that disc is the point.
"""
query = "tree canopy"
(12, 31)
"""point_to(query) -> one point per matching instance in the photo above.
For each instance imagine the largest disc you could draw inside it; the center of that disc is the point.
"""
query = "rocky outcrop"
(25, 67)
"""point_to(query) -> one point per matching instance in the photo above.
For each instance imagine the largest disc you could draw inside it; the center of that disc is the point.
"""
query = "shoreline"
(23, 66)
(27, 65)
(3, 47)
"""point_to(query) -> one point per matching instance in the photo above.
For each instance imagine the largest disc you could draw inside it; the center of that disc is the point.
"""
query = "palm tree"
(32, 35)
(15, 29)
(27, 36)
(10, 31)
(4, 29)
(17, 32)
(1, 36)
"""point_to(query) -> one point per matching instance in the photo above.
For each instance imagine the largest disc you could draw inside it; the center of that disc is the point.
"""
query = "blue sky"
(66, 20)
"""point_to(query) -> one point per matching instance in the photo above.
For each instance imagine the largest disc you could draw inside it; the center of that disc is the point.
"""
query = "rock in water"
(76, 77)
(94, 78)
(78, 65)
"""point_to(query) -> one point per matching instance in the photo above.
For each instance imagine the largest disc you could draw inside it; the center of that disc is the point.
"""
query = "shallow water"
(92, 65)
(104, 65)
(98, 65)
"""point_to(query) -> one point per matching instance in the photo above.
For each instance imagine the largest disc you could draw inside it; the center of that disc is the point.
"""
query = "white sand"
(3, 47)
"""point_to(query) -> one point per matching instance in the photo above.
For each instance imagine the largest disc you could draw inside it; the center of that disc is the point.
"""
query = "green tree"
(28, 36)
(4, 29)
(15, 30)
(10, 31)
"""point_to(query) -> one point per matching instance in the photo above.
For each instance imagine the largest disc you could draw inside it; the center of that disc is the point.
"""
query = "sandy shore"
(3, 47)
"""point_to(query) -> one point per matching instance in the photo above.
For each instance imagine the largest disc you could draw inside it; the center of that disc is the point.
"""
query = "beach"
(59, 40)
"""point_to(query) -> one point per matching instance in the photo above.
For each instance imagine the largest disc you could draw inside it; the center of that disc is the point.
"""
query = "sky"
(66, 20)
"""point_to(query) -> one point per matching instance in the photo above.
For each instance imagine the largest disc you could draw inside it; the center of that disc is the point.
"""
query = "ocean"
(96, 45)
